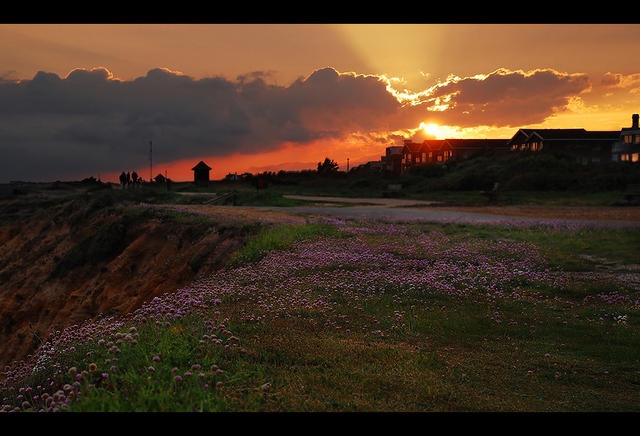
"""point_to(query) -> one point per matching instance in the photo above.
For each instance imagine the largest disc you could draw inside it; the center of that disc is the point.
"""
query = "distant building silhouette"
(627, 148)
(586, 146)
(392, 160)
(422, 154)
(201, 174)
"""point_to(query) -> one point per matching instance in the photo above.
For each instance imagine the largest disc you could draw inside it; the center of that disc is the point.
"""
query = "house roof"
(414, 147)
(201, 166)
(630, 130)
(567, 134)
(478, 143)
(425, 146)
(436, 144)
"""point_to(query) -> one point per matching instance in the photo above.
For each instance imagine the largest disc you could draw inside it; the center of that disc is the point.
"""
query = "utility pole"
(150, 162)
(347, 164)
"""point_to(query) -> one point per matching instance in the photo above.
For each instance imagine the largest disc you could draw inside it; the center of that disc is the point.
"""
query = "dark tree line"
(327, 167)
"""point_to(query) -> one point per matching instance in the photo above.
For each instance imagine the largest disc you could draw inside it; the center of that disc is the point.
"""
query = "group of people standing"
(130, 179)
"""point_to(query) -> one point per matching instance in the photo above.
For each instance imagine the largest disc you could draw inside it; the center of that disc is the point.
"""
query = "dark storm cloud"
(90, 122)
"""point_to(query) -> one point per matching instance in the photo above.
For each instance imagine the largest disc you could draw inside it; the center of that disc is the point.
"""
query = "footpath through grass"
(367, 316)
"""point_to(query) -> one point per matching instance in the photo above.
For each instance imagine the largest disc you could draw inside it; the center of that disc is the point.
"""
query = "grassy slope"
(462, 354)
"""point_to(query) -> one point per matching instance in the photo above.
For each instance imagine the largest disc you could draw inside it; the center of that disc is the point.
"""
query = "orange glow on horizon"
(290, 157)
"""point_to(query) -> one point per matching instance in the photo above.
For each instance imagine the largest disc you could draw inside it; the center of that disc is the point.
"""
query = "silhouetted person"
(128, 178)
(123, 179)
(134, 178)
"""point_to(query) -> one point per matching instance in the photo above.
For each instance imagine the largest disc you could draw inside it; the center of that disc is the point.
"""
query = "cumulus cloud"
(617, 80)
(621, 83)
(90, 121)
(504, 97)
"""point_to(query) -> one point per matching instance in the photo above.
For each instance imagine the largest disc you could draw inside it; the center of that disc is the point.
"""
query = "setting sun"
(432, 129)
(440, 132)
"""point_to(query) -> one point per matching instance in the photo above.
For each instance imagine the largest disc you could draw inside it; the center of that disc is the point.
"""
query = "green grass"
(278, 238)
(132, 386)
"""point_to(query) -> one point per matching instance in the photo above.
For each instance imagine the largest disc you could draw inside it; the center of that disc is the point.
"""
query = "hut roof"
(201, 166)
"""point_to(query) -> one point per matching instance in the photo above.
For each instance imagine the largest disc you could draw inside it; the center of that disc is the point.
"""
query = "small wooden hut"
(201, 174)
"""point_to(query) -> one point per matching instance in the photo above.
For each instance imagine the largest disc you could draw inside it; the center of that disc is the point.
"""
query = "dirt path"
(402, 209)
(395, 213)
(396, 208)
(387, 202)
(440, 214)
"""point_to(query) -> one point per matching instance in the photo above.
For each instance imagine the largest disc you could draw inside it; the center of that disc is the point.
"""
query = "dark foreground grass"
(315, 319)
(576, 249)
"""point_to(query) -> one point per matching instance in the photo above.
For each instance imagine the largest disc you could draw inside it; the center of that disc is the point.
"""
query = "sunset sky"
(85, 100)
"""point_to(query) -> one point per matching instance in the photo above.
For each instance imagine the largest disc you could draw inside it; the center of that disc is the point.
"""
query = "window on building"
(627, 139)
(634, 157)
(439, 158)
(624, 157)
(636, 139)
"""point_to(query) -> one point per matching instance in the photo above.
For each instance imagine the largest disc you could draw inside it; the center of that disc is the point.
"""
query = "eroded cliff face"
(68, 263)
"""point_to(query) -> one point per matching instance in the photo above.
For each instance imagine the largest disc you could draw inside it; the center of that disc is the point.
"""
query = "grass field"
(369, 316)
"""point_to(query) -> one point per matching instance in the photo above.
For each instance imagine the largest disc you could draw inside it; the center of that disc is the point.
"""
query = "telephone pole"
(150, 162)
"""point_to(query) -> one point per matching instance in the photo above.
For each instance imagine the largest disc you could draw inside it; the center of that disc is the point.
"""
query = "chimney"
(634, 119)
